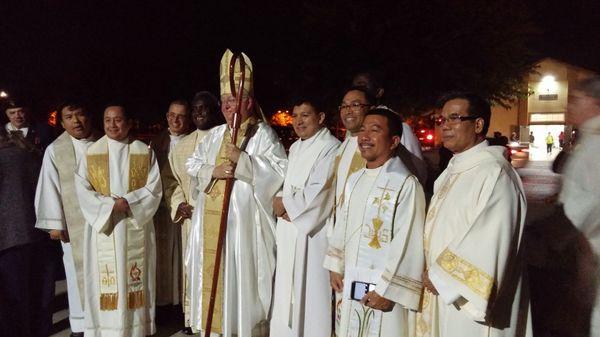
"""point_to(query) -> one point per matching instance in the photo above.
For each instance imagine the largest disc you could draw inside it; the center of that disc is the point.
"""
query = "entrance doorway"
(537, 150)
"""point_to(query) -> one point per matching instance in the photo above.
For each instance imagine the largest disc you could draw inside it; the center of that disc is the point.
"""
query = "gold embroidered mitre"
(224, 74)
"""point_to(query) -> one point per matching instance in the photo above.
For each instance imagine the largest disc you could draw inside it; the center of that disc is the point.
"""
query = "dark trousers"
(27, 276)
(549, 148)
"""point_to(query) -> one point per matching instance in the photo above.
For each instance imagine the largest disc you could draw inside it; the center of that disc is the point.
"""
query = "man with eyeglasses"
(168, 243)
(355, 104)
(257, 164)
(205, 115)
(473, 232)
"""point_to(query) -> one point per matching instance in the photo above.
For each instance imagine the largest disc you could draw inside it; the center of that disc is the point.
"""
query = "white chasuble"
(472, 244)
(120, 249)
(183, 193)
(378, 239)
(248, 258)
(302, 297)
(57, 208)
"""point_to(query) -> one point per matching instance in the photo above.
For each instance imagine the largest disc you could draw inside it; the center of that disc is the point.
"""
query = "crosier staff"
(228, 186)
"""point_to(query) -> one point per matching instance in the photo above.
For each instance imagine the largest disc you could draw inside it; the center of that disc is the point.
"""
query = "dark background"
(147, 53)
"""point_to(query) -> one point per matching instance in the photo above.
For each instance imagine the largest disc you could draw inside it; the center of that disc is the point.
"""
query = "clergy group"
(330, 238)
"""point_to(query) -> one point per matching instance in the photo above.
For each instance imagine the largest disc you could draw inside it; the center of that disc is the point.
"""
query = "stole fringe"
(108, 302)
(135, 299)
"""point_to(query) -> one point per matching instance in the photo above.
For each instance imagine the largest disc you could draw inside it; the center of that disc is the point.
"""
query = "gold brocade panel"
(213, 207)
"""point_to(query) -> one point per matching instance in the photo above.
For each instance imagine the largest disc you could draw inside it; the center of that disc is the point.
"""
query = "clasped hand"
(184, 211)
(121, 205)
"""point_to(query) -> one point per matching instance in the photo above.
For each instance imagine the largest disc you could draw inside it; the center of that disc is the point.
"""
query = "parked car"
(426, 137)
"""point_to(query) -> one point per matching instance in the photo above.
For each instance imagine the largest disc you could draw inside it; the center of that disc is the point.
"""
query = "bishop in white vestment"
(257, 162)
(302, 297)
(377, 239)
(119, 189)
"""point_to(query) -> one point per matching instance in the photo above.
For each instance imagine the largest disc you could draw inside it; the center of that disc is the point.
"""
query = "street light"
(3, 94)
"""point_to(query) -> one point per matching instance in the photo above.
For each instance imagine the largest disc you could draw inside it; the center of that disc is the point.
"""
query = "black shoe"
(76, 334)
(186, 331)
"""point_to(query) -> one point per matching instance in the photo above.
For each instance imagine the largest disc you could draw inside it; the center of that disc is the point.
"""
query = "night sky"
(147, 53)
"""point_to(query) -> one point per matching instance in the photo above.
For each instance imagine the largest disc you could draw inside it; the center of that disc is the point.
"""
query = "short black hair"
(310, 98)
(368, 95)
(478, 106)
(120, 104)
(72, 104)
(15, 102)
(375, 80)
(212, 104)
(394, 121)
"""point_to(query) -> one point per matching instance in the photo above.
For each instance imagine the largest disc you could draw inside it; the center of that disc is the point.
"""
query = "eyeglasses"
(453, 119)
(355, 107)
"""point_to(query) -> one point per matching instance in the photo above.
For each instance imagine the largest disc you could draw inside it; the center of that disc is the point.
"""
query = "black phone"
(360, 289)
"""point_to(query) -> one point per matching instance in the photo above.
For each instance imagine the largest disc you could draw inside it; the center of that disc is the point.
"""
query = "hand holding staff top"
(228, 184)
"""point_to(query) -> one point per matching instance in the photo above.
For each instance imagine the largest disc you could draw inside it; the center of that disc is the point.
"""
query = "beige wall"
(504, 120)
(560, 88)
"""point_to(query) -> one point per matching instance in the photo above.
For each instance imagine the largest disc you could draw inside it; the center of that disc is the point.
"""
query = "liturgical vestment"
(183, 192)
(120, 249)
(248, 261)
(57, 208)
(302, 297)
(472, 243)
(378, 239)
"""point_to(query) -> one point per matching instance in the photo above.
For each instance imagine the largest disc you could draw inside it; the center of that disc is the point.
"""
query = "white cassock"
(580, 196)
(378, 239)
(302, 297)
(51, 212)
(249, 253)
(472, 248)
(120, 251)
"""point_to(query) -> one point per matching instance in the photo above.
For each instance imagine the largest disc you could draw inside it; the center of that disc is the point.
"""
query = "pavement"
(559, 261)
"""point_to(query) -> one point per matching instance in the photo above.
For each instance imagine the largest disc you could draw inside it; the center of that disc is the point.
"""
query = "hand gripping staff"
(228, 185)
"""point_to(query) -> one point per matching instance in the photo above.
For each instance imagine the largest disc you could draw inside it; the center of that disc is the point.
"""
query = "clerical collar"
(313, 137)
(9, 127)
(174, 135)
(374, 171)
(469, 152)
(124, 141)
(89, 138)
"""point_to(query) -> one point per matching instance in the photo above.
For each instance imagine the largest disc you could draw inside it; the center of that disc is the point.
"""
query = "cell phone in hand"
(360, 289)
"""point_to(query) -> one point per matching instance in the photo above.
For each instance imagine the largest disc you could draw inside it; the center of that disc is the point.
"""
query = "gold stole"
(357, 163)
(99, 177)
(213, 206)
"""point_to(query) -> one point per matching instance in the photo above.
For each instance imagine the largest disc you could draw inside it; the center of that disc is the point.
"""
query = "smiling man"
(56, 203)
(19, 120)
(168, 241)
(302, 297)
(257, 162)
(205, 115)
(119, 190)
(375, 254)
(473, 233)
